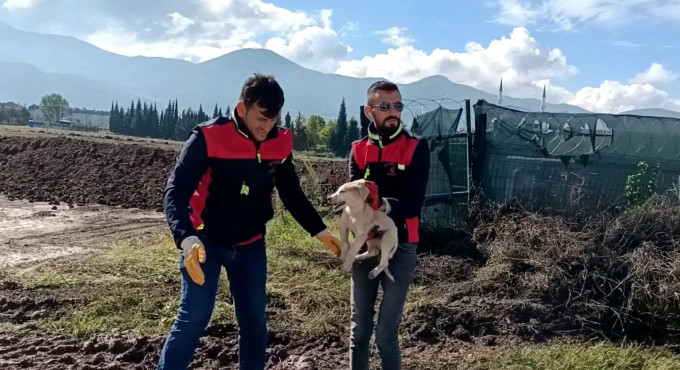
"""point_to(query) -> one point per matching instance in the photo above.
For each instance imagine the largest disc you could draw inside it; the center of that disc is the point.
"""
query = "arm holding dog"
(416, 186)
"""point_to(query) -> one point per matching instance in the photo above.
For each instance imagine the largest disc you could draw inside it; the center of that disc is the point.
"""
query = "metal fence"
(561, 163)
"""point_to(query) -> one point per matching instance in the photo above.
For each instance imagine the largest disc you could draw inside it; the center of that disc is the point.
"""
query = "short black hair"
(381, 85)
(265, 91)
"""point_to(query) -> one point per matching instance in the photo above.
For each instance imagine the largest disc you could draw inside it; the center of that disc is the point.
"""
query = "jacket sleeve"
(295, 200)
(355, 173)
(191, 164)
(419, 172)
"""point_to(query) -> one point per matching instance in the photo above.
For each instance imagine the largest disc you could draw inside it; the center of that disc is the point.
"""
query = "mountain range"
(34, 64)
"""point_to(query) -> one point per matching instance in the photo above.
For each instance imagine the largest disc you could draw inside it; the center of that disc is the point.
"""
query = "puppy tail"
(388, 273)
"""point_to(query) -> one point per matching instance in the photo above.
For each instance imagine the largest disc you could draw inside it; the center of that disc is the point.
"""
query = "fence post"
(363, 122)
(479, 151)
(468, 127)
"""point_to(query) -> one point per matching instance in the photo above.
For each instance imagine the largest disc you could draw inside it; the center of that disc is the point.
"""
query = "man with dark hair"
(399, 164)
(218, 201)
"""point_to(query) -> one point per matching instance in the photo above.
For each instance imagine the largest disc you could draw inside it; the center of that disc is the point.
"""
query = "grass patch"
(135, 287)
(131, 287)
(576, 357)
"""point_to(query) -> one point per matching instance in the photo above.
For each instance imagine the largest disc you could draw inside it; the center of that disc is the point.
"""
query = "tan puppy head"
(352, 194)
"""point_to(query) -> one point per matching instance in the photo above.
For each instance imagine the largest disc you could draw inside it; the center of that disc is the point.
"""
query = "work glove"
(194, 254)
(330, 241)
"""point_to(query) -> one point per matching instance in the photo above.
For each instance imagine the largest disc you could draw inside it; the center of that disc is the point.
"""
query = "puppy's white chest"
(358, 225)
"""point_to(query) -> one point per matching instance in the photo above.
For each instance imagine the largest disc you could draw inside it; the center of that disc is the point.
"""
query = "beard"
(389, 128)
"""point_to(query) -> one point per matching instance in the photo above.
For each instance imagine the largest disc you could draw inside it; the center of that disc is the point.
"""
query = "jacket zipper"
(257, 152)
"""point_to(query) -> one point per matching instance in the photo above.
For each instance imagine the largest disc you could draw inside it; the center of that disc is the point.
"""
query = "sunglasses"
(385, 107)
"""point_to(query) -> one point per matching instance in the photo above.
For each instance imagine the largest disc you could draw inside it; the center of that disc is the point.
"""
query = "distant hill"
(36, 64)
(653, 112)
(26, 84)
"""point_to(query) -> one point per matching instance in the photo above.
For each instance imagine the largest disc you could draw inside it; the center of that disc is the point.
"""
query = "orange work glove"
(194, 255)
(330, 241)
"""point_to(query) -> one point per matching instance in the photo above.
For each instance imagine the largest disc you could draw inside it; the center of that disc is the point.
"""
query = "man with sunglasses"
(399, 163)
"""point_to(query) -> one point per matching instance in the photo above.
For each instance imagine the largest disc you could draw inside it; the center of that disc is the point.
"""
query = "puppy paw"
(374, 273)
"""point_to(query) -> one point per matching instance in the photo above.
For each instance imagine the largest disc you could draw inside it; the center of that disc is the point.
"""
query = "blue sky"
(589, 53)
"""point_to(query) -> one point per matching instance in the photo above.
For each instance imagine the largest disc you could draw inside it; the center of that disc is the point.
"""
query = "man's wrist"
(384, 203)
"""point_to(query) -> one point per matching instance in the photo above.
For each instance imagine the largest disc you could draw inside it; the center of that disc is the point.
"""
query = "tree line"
(13, 114)
(313, 133)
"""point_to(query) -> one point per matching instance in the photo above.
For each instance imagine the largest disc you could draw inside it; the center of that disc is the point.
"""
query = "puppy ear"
(363, 192)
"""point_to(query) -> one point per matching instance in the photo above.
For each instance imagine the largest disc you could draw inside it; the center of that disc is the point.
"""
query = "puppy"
(368, 224)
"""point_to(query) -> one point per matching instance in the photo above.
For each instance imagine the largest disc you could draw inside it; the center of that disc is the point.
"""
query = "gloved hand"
(194, 254)
(330, 241)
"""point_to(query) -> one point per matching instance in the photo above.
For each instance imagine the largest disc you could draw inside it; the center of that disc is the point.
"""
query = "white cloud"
(258, 16)
(641, 92)
(615, 97)
(566, 15)
(215, 27)
(348, 29)
(120, 41)
(224, 26)
(513, 12)
(523, 64)
(656, 74)
(395, 36)
(316, 47)
(17, 4)
(179, 23)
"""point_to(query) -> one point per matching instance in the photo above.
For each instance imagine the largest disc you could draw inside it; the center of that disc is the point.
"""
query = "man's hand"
(330, 241)
(194, 254)
(384, 206)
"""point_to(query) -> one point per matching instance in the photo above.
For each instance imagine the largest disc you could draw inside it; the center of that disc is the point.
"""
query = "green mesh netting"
(570, 163)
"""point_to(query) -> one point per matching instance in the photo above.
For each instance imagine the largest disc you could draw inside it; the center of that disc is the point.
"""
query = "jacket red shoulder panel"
(278, 148)
(217, 135)
(240, 147)
(364, 152)
(400, 152)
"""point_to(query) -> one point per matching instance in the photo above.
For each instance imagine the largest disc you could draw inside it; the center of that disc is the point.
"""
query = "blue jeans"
(364, 294)
(246, 268)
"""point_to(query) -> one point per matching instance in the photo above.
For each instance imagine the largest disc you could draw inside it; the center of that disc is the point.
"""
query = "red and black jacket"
(223, 181)
(400, 165)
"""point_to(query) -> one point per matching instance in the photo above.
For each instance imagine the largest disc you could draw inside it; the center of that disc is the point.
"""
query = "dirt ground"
(64, 193)
(32, 232)
(218, 350)
(67, 193)
(81, 169)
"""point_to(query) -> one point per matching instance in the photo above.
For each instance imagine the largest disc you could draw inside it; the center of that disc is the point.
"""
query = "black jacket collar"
(243, 129)
(381, 139)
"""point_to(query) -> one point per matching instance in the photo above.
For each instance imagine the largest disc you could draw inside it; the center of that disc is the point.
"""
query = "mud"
(72, 193)
(218, 350)
(64, 170)
(32, 232)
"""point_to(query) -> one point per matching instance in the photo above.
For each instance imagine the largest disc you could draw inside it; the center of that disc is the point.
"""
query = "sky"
(602, 55)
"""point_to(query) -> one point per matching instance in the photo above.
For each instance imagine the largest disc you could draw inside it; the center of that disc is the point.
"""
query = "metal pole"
(468, 127)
